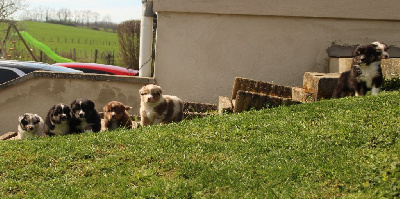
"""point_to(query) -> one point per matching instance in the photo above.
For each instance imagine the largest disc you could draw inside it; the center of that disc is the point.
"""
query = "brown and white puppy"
(30, 125)
(116, 116)
(84, 116)
(58, 120)
(156, 108)
(365, 73)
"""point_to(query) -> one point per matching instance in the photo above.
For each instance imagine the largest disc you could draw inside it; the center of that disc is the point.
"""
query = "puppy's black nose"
(81, 115)
(30, 128)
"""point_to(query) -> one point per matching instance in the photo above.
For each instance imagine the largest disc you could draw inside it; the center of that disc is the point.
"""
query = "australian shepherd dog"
(156, 108)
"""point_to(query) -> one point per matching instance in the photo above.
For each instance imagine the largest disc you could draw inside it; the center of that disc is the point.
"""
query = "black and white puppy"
(30, 125)
(365, 73)
(85, 117)
(58, 120)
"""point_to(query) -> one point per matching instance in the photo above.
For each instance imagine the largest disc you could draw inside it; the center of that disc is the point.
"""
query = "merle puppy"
(30, 125)
(84, 116)
(58, 120)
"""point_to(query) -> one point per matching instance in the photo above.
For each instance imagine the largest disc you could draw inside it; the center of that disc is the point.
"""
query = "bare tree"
(9, 7)
(129, 41)
(106, 22)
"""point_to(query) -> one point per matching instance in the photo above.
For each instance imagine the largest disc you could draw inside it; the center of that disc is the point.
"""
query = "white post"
(146, 39)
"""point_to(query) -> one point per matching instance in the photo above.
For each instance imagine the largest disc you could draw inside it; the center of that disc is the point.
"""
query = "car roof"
(109, 69)
(42, 66)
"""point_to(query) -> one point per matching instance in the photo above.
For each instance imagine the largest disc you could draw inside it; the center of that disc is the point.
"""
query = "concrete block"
(339, 65)
(391, 67)
(300, 95)
(320, 84)
(224, 105)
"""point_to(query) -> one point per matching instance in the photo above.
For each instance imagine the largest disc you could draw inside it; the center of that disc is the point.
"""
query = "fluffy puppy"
(365, 73)
(30, 125)
(84, 116)
(156, 108)
(116, 115)
(58, 120)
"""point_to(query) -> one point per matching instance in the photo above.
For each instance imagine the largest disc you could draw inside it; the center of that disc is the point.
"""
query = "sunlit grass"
(346, 147)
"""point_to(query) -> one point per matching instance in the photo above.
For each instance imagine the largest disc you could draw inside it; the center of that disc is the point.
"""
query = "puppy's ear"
(127, 108)
(91, 104)
(142, 90)
(20, 118)
(37, 117)
(72, 104)
(160, 90)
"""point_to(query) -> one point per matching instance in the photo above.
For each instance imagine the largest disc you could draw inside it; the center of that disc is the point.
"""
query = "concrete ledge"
(80, 76)
(301, 8)
(390, 67)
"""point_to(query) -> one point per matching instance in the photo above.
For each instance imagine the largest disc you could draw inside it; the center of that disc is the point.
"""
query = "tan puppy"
(116, 115)
(156, 108)
(30, 125)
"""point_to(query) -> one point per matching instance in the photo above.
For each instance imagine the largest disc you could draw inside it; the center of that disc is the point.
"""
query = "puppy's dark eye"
(24, 122)
(143, 93)
(155, 94)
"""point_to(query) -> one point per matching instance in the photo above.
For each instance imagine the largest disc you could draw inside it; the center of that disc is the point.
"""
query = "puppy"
(58, 120)
(116, 115)
(30, 125)
(365, 73)
(156, 108)
(382, 49)
(84, 116)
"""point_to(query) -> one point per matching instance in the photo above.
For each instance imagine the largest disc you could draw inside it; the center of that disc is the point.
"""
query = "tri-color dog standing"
(156, 108)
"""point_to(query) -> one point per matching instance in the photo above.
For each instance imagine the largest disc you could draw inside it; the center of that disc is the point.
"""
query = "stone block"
(224, 105)
(339, 65)
(391, 67)
(320, 84)
(300, 95)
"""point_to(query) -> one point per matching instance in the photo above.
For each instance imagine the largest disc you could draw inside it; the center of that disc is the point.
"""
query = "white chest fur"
(61, 129)
(368, 73)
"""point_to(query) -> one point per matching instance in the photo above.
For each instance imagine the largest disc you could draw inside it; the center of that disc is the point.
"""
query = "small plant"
(391, 84)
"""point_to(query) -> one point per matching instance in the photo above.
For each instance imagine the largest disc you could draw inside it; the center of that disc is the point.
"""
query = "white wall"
(203, 45)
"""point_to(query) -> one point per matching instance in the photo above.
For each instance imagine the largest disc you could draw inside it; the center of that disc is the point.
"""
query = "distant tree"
(129, 42)
(9, 7)
(106, 22)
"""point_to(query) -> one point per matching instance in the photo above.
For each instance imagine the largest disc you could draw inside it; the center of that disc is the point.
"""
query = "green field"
(63, 39)
(328, 149)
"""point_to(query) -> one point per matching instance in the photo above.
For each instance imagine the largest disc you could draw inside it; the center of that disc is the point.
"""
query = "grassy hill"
(63, 39)
(332, 148)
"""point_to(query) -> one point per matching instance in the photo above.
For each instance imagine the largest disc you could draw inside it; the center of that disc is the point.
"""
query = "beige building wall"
(203, 45)
(37, 92)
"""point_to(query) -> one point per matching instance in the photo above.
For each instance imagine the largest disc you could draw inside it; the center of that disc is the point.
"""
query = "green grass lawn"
(63, 39)
(347, 147)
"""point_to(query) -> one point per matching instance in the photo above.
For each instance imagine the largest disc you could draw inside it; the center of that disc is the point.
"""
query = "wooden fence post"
(95, 55)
